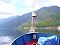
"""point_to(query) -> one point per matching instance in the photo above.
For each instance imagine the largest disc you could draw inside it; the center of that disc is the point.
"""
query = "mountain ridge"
(43, 14)
(10, 25)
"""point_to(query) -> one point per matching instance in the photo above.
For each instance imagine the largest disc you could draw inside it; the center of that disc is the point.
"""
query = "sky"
(19, 7)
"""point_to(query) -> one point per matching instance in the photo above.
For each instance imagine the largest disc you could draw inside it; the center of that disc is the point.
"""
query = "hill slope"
(47, 17)
(45, 13)
(13, 22)
(8, 26)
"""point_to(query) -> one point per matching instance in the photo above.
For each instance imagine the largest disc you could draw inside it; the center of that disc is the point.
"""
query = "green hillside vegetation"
(25, 28)
(55, 32)
(47, 17)
(45, 23)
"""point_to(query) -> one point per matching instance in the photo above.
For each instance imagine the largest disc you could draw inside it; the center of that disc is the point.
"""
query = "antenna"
(33, 18)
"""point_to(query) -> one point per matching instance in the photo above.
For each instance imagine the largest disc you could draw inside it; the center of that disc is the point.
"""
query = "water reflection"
(6, 40)
(7, 35)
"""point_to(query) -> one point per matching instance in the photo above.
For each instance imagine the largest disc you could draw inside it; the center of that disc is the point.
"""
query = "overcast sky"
(19, 7)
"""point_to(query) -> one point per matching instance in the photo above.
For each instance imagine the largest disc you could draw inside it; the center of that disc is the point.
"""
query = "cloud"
(26, 5)
(7, 7)
(55, 2)
(19, 7)
(6, 13)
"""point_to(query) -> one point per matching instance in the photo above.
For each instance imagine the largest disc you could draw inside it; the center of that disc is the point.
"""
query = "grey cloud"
(7, 1)
(5, 13)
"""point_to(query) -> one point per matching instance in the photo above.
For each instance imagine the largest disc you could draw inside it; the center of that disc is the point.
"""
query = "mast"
(33, 18)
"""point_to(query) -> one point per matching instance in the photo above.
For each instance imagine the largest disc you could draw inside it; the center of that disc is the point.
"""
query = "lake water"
(7, 40)
(8, 35)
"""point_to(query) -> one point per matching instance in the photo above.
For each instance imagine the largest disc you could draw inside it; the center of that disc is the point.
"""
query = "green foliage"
(55, 17)
(44, 23)
(25, 27)
(47, 17)
(55, 32)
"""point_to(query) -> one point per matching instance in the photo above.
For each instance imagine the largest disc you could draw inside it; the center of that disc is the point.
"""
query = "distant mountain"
(4, 20)
(8, 26)
(13, 22)
(45, 13)
(47, 17)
